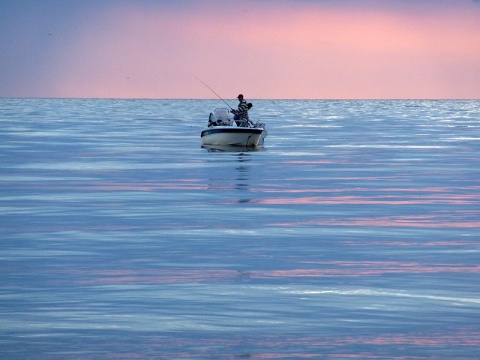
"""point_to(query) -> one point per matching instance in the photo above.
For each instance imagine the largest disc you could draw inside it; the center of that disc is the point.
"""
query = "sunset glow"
(266, 49)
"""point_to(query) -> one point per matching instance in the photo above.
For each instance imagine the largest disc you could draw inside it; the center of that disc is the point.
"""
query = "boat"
(222, 130)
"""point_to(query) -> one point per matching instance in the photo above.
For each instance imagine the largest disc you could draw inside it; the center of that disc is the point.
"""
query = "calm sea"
(354, 233)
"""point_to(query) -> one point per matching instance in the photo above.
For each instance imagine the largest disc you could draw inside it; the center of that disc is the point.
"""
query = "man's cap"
(240, 95)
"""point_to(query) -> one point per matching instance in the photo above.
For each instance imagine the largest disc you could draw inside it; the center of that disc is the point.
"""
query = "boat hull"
(232, 136)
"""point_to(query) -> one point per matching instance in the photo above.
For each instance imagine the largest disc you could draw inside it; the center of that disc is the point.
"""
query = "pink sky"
(267, 49)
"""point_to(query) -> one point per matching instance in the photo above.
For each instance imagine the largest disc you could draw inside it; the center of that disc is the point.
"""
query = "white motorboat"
(222, 130)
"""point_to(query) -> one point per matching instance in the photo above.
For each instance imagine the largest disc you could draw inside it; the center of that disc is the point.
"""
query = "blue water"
(354, 233)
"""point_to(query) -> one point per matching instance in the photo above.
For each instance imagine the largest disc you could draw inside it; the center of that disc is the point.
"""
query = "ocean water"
(353, 234)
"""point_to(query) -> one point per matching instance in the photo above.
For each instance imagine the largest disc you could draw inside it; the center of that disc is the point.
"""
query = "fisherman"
(241, 114)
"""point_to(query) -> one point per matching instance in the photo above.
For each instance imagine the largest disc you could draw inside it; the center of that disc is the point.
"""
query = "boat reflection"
(219, 148)
(238, 175)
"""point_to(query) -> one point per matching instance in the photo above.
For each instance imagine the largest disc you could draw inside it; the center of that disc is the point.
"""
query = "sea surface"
(353, 234)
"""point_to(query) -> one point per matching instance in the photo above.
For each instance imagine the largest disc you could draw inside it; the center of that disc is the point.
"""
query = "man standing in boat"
(241, 114)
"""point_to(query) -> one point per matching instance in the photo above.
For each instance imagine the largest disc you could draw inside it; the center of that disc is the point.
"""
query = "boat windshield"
(221, 114)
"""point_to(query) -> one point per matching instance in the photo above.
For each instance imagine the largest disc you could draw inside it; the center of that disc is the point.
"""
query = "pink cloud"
(276, 50)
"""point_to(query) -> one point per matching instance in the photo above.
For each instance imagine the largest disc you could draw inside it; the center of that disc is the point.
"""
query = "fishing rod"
(214, 92)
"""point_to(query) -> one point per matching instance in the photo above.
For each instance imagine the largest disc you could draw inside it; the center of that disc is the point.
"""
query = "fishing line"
(213, 92)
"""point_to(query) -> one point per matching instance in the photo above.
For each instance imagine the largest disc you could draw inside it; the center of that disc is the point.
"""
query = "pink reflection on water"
(452, 243)
(361, 271)
(396, 346)
(327, 269)
(430, 221)
(398, 199)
